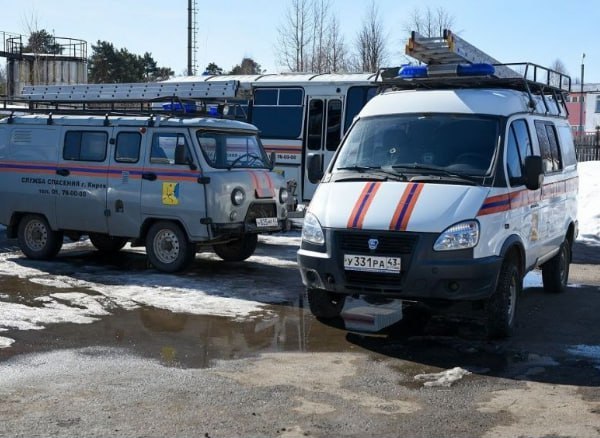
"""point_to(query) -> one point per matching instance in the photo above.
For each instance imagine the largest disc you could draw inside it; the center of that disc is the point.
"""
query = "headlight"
(238, 196)
(283, 195)
(312, 231)
(460, 236)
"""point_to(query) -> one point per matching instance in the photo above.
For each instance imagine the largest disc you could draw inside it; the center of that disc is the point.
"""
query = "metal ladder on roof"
(451, 49)
(134, 92)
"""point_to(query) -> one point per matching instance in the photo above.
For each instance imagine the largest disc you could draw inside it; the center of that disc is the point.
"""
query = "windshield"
(227, 150)
(450, 143)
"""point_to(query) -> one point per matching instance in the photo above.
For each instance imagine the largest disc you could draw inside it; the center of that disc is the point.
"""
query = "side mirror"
(314, 168)
(534, 172)
(272, 159)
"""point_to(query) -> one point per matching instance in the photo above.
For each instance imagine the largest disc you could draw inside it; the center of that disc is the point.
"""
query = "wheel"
(555, 272)
(237, 250)
(106, 243)
(324, 304)
(36, 239)
(501, 307)
(168, 247)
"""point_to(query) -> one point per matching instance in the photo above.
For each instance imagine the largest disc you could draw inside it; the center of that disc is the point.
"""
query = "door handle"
(150, 176)
(63, 172)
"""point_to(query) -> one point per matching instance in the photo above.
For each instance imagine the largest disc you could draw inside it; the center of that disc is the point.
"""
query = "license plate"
(266, 222)
(390, 265)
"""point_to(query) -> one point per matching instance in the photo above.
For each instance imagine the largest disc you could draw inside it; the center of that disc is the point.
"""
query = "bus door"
(322, 134)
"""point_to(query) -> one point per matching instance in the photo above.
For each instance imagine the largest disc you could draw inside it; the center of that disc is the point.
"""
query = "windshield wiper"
(373, 169)
(438, 170)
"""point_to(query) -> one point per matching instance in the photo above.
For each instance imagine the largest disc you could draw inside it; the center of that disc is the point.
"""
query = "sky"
(538, 31)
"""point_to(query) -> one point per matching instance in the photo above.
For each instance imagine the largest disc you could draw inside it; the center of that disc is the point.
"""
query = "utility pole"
(190, 62)
(581, 99)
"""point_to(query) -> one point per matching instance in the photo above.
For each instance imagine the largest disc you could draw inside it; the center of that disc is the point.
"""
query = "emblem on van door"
(373, 244)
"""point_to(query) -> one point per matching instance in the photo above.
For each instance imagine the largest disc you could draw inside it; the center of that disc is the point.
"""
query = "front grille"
(260, 210)
(389, 243)
(373, 278)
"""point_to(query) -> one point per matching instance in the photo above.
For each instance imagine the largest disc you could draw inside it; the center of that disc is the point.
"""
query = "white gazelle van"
(446, 190)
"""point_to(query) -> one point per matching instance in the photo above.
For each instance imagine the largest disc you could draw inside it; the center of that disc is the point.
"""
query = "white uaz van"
(170, 184)
(445, 190)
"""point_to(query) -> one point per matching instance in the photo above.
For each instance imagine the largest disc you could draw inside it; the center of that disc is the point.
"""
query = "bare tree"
(295, 36)
(337, 54)
(371, 42)
(319, 26)
(429, 22)
(559, 67)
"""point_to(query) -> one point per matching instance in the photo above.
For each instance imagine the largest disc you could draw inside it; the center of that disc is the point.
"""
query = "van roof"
(94, 120)
(500, 102)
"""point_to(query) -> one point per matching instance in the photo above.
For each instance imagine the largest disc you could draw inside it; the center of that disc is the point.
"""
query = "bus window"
(334, 124)
(356, 99)
(315, 124)
(277, 112)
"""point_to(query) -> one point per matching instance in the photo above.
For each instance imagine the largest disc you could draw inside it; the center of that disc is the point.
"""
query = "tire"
(501, 307)
(237, 250)
(168, 248)
(326, 305)
(107, 244)
(36, 239)
(555, 272)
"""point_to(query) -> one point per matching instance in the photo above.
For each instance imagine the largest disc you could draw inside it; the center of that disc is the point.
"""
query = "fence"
(587, 146)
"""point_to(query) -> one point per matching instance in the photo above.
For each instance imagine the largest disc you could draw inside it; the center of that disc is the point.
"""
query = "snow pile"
(589, 202)
(443, 378)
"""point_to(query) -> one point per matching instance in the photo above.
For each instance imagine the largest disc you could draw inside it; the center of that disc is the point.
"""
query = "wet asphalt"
(148, 371)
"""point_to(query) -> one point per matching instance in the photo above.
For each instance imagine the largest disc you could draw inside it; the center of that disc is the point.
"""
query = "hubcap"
(36, 235)
(166, 246)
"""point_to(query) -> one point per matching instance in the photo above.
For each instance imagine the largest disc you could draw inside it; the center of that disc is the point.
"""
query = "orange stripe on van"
(362, 205)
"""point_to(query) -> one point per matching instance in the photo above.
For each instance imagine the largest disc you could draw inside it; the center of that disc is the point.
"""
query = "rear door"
(322, 134)
(81, 179)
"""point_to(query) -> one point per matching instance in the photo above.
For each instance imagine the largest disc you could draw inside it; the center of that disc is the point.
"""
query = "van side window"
(128, 147)
(169, 148)
(547, 138)
(567, 147)
(518, 147)
(85, 146)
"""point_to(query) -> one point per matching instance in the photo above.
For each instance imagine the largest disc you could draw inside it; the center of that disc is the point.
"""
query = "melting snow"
(588, 212)
(99, 291)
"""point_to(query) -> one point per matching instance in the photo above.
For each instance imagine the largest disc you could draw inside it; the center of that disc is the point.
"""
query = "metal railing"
(13, 45)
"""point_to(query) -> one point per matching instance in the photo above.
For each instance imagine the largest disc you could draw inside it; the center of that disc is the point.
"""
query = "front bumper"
(425, 275)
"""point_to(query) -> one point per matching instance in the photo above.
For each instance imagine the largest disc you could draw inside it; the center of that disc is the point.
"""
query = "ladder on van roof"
(135, 92)
(444, 55)
(451, 49)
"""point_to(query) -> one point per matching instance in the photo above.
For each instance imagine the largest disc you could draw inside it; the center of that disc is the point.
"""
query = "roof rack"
(447, 55)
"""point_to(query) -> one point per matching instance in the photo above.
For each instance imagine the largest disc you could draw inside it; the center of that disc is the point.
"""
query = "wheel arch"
(13, 225)
(148, 222)
(513, 247)
(571, 233)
